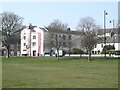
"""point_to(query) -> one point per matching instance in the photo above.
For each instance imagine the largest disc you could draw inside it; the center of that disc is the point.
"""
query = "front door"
(34, 52)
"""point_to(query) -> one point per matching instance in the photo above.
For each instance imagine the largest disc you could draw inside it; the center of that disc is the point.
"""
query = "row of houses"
(112, 38)
(39, 40)
(35, 41)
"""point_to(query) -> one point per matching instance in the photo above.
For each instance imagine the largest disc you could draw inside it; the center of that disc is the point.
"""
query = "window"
(64, 44)
(98, 51)
(34, 37)
(69, 37)
(60, 36)
(95, 46)
(95, 52)
(34, 44)
(52, 35)
(24, 37)
(101, 45)
(64, 37)
(60, 43)
(24, 44)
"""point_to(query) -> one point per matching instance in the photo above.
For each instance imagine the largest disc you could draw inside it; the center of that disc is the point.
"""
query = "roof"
(113, 39)
(64, 31)
(115, 30)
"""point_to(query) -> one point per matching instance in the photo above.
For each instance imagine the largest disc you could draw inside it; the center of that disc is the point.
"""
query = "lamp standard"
(112, 33)
(105, 13)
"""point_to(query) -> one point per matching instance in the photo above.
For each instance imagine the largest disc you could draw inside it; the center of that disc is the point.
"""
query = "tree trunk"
(8, 51)
(58, 54)
(89, 57)
(69, 51)
(80, 55)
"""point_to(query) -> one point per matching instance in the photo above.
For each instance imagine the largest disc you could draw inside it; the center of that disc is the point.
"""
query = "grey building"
(62, 39)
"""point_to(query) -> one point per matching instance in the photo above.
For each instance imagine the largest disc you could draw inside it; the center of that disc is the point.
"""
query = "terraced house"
(35, 41)
(112, 38)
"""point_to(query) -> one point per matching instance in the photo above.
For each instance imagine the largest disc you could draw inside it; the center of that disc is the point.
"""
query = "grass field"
(48, 72)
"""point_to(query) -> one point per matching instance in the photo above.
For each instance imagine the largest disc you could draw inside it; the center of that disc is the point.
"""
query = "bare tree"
(57, 25)
(10, 24)
(88, 27)
(49, 42)
(57, 41)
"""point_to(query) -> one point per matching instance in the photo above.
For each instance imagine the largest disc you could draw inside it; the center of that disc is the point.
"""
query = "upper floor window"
(69, 37)
(34, 37)
(60, 36)
(34, 44)
(24, 37)
(24, 44)
(95, 46)
(52, 35)
(64, 37)
(64, 44)
(102, 45)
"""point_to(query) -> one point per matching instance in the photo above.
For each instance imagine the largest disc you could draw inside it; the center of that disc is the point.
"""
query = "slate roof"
(115, 30)
(64, 31)
(114, 39)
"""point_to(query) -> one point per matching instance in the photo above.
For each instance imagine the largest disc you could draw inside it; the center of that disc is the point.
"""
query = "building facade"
(112, 38)
(32, 40)
(62, 39)
(36, 41)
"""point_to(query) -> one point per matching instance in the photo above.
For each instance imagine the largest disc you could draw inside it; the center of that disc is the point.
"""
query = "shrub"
(77, 51)
(117, 52)
(107, 49)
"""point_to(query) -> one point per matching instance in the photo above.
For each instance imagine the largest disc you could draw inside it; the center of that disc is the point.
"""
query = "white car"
(60, 52)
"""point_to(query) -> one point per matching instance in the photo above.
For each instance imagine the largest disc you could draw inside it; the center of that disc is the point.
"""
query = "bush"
(77, 51)
(107, 49)
(117, 52)
(107, 52)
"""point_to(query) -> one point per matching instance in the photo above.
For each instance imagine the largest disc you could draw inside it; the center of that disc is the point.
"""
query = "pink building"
(32, 40)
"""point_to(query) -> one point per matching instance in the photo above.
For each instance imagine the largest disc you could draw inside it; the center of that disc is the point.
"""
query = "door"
(34, 52)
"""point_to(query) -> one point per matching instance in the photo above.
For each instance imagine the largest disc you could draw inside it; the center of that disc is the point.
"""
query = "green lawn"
(48, 72)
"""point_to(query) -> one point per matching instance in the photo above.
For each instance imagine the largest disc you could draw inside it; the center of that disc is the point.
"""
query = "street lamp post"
(105, 13)
(112, 33)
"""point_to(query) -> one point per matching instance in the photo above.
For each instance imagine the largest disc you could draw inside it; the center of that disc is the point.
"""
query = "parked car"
(59, 53)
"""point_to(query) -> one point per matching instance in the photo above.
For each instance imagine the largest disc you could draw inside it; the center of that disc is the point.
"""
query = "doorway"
(34, 52)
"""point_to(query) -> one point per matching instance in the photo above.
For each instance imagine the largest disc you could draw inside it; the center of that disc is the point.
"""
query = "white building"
(112, 38)
(32, 39)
